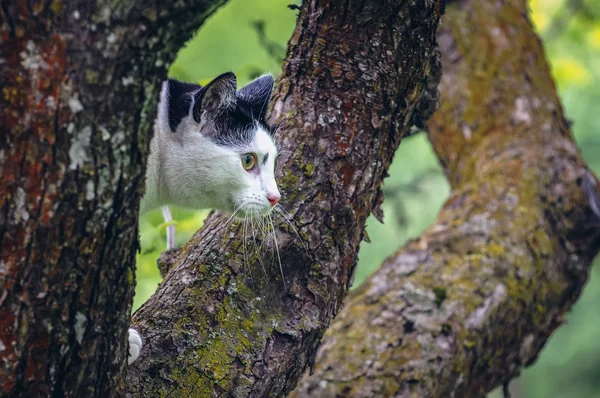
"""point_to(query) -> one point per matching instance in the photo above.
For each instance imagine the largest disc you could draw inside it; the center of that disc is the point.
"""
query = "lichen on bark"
(461, 309)
(218, 323)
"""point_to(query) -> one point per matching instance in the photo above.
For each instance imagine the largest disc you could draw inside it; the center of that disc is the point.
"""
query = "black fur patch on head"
(180, 100)
(216, 97)
(236, 127)
(256, 95)
(233, 116)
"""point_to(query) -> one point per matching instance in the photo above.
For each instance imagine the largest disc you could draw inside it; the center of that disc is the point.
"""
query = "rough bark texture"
(463, 308)
(219, 324)
(80, 83)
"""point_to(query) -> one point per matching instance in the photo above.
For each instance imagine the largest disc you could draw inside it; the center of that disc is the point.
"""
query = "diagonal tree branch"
(80, 83)
(219, 324)
(460, 310)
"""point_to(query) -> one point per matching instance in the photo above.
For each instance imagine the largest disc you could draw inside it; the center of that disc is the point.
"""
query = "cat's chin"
(253, 211)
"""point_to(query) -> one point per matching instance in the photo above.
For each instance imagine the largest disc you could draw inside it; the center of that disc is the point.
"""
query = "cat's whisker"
(276, 248)
(263, 225)
(246, 266)
(267, 236)
(276, 129)
(256, 248)
(264, 106)
(264, 241)
(271, 232)
(235, 211)
(280, 210)
(284, 151)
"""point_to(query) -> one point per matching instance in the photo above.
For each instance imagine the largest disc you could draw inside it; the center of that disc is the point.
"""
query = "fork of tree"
(456, 312)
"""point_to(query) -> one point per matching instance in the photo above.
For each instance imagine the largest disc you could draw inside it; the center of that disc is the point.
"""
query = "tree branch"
(80, 82)
(460, 310)
(219, 324)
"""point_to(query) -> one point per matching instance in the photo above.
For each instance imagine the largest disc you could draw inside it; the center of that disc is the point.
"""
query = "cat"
(212, 149)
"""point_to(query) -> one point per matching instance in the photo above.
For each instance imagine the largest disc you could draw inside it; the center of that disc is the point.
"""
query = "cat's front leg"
(166, 211)
(135, 345)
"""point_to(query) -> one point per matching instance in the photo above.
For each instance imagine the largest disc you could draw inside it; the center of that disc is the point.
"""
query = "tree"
(80, 89)
(343, 107)
(80, 81)
(463, 308)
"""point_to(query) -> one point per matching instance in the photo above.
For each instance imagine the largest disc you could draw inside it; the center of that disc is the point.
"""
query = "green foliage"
(246, 37)
(249, 38)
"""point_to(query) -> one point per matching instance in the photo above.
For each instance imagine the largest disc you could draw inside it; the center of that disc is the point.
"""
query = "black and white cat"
(211, 149)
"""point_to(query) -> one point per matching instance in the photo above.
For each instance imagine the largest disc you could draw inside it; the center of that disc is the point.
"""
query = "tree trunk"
(463, 308)
(80, 83)
(224, 322)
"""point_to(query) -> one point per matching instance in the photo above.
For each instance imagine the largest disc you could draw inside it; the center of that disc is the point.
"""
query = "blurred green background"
(249, 37)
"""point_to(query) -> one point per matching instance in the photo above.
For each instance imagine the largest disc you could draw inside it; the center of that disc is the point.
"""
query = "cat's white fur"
(187, 169)
(135, 345)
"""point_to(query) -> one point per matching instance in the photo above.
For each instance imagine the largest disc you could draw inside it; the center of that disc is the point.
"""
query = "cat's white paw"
(135, 345)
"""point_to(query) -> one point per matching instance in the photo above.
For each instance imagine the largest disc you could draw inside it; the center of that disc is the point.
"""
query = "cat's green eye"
(248, 161)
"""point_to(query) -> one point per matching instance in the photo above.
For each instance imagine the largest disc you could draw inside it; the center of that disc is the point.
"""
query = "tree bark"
(462, 309)
(223, 322)
(80, 83)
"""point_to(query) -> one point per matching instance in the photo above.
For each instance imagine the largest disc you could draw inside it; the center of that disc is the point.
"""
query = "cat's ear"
(217, 96)
(174, 103)
(257, 94)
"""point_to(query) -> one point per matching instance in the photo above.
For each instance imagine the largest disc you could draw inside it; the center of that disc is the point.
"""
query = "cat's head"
(221, 153)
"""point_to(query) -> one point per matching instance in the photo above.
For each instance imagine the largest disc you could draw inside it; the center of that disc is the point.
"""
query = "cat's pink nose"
(273, 198)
